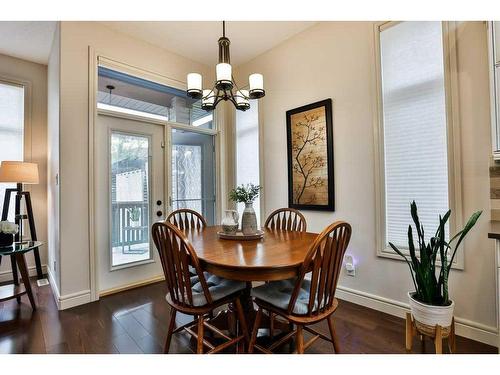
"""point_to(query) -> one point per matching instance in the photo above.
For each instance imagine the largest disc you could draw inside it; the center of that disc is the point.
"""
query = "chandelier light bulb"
(194, 82)
(224, 76)
(242, 101)
(208, 100)
(256, 82)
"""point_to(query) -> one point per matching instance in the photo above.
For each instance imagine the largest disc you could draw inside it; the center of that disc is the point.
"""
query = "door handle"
(159, 213)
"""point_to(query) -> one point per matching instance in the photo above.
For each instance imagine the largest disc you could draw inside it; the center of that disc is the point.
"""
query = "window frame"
(494, 76)
(453, 142)
(26, 85)
(262, 217)
(150, 259)
(96, 58)
(27, 130)
(232, 162)
(152, 77)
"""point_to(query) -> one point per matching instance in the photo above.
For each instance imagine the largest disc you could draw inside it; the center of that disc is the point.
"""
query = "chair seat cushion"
(278, 294)
(218, 287)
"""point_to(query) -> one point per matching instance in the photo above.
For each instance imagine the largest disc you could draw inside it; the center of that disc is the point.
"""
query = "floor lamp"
(20, 173)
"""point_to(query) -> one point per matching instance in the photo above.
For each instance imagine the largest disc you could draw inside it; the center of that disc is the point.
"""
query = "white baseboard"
(134, 285)
(7, 274)
(68, 300)
(55, 288)
(74, 299)
(466, 328)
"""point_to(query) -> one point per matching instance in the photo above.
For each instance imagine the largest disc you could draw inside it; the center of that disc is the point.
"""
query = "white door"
(129, 199)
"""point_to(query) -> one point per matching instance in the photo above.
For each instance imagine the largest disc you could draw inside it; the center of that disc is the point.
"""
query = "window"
(11, 130)
(413, 143)
(494, 47)
(130, 198)
(124, 93)
(247, 151)
(193, 172)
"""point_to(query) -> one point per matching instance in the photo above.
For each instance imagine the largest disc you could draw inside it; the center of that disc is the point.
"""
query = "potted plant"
(430, 303)
(7, 232)
(246, 194)
(134, 214)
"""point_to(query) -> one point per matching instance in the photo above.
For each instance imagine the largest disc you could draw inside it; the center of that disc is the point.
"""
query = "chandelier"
(225, 87)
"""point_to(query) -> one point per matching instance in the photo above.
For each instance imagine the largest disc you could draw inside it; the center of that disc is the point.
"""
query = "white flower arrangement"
(8, 228)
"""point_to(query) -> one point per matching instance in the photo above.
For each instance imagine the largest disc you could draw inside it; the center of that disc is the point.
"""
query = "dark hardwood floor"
(136, 321)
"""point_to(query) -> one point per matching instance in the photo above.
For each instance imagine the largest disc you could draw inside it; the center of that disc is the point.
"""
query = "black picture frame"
(330, 206)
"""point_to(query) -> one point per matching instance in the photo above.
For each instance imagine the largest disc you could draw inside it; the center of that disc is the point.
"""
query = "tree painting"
(309, 157)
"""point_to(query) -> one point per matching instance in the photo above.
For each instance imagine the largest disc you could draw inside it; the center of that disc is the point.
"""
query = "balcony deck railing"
(125, 232)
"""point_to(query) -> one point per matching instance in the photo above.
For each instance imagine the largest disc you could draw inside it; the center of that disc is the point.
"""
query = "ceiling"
(32, 40)
(198, 40)
(27, 40)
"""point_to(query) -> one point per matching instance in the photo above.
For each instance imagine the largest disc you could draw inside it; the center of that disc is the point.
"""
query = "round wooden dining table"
(276, 256)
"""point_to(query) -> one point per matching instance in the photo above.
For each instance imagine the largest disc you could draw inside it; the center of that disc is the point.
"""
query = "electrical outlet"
(42, 282)
(350, 266)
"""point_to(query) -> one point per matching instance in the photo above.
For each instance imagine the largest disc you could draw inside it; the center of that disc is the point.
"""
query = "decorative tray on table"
(240, 236)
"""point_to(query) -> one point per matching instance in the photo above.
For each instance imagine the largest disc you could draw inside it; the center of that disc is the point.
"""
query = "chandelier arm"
(219, 93)
(238, 89)
(233, 100)
(218, 98)
(217, 101)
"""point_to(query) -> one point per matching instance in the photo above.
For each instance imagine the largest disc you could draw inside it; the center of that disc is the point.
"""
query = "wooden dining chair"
(286, 219)
(195, 295)
(303, 301)
(185, 218)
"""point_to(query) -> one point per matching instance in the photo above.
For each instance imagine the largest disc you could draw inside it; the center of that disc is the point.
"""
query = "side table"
(18, 252)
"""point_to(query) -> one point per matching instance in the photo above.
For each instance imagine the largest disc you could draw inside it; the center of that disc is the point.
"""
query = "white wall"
(76, 37)
(35, 147)
(336, 60)
(53, 86)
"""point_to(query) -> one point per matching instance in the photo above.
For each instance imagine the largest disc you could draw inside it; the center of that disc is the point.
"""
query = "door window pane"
(247, 151)
(121, 92)
(11, 131)
(193, 173)
(130, 198)
(414, 120)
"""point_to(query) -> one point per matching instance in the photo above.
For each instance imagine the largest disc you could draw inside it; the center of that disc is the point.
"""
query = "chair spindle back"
(324, 261)
(177, 254)
(185, 218)
(286, 219)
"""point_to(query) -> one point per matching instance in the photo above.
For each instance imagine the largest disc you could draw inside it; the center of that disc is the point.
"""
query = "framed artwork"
(310, 157)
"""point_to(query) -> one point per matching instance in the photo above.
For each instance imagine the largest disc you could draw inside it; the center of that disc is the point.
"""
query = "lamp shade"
(256, 81)
(19, 172)
(242, 97)
(223, 72)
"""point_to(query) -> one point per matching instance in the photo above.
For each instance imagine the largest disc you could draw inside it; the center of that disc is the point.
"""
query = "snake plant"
(430, 279)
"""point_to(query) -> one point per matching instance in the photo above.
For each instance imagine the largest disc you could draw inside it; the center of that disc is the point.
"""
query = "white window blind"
(11, 131)
(247, 151)
(414, 121)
